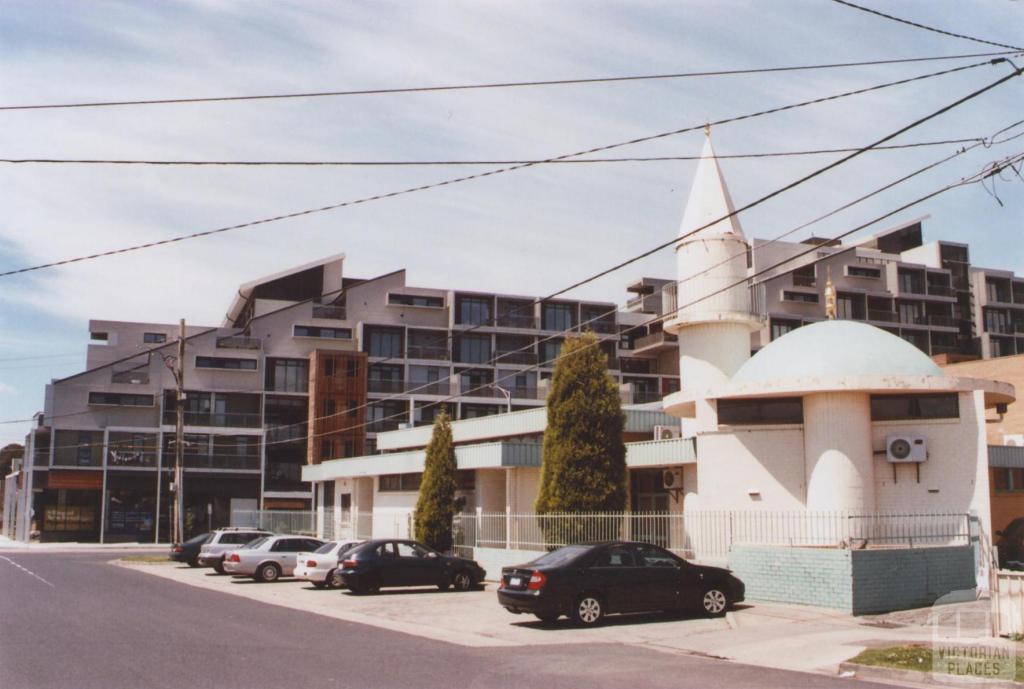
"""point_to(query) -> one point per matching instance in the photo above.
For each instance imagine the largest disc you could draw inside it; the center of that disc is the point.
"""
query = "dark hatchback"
(586, 582)
(382, 563)
(188, 552)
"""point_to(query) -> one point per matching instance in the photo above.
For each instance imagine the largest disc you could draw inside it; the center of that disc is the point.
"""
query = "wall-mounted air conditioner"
(672, 479)
(906, 448)
(667, 432)
(1013, 439)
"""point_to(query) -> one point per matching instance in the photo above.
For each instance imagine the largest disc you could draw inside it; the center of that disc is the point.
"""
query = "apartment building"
(307, 365)
(926, 293)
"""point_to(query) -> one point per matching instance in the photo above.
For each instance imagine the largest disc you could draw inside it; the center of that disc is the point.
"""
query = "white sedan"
(269, 558)
(321, 566)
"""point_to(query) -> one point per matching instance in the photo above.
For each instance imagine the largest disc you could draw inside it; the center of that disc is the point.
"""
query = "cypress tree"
(584, 458)
(435, 506)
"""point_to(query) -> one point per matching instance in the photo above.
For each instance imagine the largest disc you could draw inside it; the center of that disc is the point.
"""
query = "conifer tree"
(435, 506)
(584, 460)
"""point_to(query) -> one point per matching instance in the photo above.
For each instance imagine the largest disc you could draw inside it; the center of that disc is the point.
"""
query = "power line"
(497, 171)
(39, 356)
(925, 27)
(427, 163)
(497, 85)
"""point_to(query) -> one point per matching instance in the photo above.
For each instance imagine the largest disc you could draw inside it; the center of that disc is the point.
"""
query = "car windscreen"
(252, 545)
(562, 555)
(198, 540)
(325, 548)
(349, 547)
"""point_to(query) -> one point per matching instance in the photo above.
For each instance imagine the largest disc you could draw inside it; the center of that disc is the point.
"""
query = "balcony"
(522, 358)
(637, 365)
(601, 327)
(429, 388)
(944, 321)
(385, 385)
(239, 342)
(913, 319)
(941, 291)
(132, 376)
(217, 419)
(646, 396)
(381, 425)
(427, 352)
(514, 321)
(524, 393)
(883, 316)
(336, 313)
(656, 340)
(219, 461)
(804, 280)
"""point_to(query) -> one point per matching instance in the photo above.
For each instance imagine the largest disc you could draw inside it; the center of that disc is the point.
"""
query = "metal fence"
(334, 524)
(277, 521)
(710, 534)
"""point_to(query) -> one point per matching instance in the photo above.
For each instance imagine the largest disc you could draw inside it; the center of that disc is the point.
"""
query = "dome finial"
(707, 129)
(830, 297)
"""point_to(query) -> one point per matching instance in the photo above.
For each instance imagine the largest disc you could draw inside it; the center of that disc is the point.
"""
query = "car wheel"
(334, 580)
(588, 611)
(193, 563)
(268, 573)
(714, 602)
(547, 617)
(462, 581)
(319, 584)
(218, 566)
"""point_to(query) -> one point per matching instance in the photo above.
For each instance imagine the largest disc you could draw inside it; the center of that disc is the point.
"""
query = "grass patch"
(146, 559)
(920, 658)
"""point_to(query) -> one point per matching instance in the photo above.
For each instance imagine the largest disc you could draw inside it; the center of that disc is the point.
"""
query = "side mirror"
(431, 554)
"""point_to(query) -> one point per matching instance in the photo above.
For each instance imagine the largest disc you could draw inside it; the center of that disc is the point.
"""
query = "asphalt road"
(72, 621)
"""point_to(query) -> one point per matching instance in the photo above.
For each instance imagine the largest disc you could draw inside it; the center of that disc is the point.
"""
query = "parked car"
(321, 566)
(223, 541)
(269, 558)
(586, 582)
(1010, 545)
(188, 552)
(389, 562)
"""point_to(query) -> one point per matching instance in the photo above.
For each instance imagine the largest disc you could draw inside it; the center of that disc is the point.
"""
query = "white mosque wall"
(703, 267)
(710, 353)
(955, 476)
(756, 468)
(837, 446)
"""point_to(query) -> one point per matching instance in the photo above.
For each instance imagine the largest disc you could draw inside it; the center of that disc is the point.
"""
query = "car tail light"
(537, 581)
(177, 548)
(234, 558)
(350, 564)
(311, 563)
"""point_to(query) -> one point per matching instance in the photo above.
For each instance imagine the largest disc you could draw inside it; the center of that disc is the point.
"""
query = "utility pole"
(179, 437)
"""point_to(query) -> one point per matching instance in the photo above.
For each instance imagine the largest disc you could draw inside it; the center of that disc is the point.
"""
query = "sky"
(531, 231)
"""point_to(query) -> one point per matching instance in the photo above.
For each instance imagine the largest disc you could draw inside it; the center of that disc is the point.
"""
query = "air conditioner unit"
(1013, 439)
(904, 449)
(667, 432)
(672, 479)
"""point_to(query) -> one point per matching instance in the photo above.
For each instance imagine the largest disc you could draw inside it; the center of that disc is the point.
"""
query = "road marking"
(27, 571)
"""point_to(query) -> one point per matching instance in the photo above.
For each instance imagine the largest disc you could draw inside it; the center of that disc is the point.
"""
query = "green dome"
(831, 349)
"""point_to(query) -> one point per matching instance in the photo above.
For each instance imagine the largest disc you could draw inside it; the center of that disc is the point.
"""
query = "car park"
(269, 558)
(321, 566)
(188, 552)
(587, 582)
(382, 563)
(223, 541)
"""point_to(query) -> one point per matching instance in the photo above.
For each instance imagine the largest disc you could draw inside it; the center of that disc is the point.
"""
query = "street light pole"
(508, 395)
(179, 436)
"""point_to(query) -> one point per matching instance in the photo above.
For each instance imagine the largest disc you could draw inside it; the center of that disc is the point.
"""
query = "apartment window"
(288, 375)
(549, 351)
(780, 410)
(351, 368)
(913, 407)
(910, 312)
(850, 307)
(386, 415)
(911, 282)
(78, 448)
(473, 349)
(473, 311)
(99, 337)
(383, 342)
(780, 327)
(473, 411)
(328, 367)
(918, 338)
(997, 321)
(326, 449)
(805, 297)
(1007, 479)
(997, 290)
(394, 483)
(863, 272)
(226, 363)
(325, 333)
(154, 338)
(385, 378)
(558, 316)
(117, 399)
(515, 314)
(416, 300)
(330, 407)
(804, 276)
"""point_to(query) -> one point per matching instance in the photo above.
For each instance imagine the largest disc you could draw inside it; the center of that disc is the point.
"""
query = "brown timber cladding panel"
(337, 405)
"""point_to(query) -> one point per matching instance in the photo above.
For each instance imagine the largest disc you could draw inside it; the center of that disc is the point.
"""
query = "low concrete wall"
(493, 559)
(859, 582)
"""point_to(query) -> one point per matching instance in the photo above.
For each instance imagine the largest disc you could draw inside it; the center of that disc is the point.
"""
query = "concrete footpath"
(6, 544)
(771, 635)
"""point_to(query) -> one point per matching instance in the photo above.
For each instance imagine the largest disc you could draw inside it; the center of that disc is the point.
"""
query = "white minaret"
(714, 331)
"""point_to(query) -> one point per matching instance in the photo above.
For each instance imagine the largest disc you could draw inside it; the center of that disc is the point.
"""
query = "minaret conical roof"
(709, 200)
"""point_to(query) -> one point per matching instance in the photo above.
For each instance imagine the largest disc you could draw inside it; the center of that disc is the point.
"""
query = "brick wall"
(860, 582)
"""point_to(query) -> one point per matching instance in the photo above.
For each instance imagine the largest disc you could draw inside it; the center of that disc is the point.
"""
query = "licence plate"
(515, 581)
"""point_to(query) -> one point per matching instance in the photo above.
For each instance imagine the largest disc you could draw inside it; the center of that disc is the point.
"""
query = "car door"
(663, 577)
(415, 567)
(389, 566)
(614, 572)
(285, 551)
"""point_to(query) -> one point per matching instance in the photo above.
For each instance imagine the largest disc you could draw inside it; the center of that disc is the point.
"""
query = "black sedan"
(586, 582)
(188, 552)
(389, 562)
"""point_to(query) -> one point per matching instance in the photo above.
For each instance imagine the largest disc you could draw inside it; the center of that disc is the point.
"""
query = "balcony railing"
(634, 301)
(941, 291)
(636, 365)
(653, 340)
(429, 388)
(883, 316)
(601, 327)
(480, 390)
(282, 432)
(427, 352)
(133, 376)
(381, 425)
(804, 280)
(645, 396)
(385, 385)
(524, 393)
(514, 321)
(332, 312)
(220, 461)
(913, 319)
(524, 358)
(945, 349)
(239, 342)
(944, 321)
(219, 419)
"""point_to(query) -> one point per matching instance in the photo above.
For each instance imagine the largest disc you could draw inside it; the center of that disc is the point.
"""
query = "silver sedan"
(269, 558)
